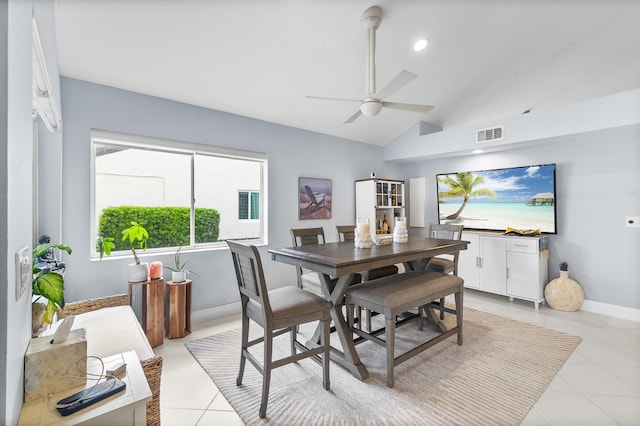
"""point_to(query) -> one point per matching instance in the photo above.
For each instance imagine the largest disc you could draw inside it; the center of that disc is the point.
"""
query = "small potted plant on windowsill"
(179, 271)
(137, 235)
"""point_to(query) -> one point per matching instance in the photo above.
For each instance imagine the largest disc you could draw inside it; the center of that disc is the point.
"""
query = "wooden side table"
(152, 309)
(179, 321)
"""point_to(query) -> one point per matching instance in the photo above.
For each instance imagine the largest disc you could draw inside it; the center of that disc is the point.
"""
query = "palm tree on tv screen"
(462, 185)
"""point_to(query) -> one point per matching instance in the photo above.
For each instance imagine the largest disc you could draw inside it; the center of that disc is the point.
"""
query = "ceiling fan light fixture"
(370, 108)
(420, 44)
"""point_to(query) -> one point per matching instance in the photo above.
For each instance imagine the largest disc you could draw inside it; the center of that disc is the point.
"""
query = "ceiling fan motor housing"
(370, 107)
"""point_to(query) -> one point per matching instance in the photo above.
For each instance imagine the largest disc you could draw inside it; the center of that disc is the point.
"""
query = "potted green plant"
(104, 245)
(47, 283)
(137, 235)
(179, 271)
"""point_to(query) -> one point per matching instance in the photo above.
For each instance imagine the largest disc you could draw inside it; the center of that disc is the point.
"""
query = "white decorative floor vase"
(564, 294)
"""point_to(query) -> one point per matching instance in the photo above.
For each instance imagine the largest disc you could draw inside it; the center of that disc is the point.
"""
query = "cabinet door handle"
(507, 273)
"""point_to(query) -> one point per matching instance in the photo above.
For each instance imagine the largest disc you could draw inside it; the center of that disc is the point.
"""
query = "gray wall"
(292, 153)
(16, 187)
(598, 184)
(4, 206)
(598, 179)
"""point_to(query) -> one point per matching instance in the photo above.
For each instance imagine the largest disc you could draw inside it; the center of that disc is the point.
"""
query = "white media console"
(513, 266)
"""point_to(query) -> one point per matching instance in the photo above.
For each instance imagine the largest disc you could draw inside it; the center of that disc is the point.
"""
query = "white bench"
(111, 328)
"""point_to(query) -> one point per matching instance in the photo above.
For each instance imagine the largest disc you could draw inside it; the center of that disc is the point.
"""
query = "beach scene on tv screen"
(522, 198)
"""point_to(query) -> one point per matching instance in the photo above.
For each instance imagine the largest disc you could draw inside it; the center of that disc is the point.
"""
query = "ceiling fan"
(373, 102)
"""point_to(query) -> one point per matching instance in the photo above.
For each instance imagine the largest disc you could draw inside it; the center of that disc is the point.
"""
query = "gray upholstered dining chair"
(308, 280)
(445, 264)
(277, 311)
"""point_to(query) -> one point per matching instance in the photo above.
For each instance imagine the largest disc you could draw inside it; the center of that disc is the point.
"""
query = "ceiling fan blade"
(332, 99)
(407, 107)
(397, 83)
(353, 117)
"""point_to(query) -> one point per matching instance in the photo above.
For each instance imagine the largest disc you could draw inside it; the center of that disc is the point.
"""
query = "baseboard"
(611, 310)
(616, 311)
(216, 312)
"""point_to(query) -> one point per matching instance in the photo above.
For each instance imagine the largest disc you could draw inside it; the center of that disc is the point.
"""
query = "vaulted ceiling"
(486, 59)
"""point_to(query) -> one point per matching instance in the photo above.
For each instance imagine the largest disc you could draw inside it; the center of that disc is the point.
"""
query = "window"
(248, 205)
(186, 195)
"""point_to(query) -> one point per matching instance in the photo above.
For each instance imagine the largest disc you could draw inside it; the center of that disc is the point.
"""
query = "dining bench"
(394, 295)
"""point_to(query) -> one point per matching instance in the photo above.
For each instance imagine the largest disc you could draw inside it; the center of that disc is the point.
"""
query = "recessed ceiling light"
(477, 151)
(420, 44)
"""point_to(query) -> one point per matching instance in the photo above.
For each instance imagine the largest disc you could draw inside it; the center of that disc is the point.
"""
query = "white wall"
(534, 128)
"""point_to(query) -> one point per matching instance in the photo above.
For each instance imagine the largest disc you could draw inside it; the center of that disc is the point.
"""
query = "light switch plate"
(632, 221)
(23, 271)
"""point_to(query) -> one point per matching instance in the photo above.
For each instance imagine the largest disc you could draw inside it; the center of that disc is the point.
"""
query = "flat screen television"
(522, 198)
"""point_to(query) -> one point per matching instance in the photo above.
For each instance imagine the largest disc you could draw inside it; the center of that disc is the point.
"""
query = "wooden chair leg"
(390, 335)
(243, 347)
(459, 309)
(266, 371)
(326, 355)
(294, 335)
(355, 312)
(441, 311)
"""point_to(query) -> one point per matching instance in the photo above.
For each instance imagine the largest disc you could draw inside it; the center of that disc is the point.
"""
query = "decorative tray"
(381, 240)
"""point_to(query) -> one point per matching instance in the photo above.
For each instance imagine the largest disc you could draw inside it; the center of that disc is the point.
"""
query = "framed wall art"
(314, 198)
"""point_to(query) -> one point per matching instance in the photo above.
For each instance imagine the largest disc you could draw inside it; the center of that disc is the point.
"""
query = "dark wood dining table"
(337, 263)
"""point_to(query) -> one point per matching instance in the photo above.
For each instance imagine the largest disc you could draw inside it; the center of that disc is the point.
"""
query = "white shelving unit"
(377, 199)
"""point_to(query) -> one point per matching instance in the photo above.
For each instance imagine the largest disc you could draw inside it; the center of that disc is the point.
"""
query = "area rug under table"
(494, 378)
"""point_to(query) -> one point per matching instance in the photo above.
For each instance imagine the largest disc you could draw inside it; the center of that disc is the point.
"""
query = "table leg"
(348, 358)
(417, 265)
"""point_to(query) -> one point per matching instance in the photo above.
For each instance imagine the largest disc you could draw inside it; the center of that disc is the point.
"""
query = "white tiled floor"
(599, 384)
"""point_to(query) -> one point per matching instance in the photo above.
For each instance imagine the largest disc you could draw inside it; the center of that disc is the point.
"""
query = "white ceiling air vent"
(491, 134)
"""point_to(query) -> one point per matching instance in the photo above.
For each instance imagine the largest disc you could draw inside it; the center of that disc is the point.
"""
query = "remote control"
(90, 396)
